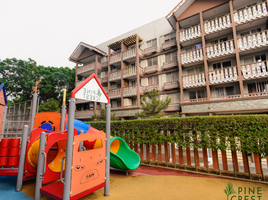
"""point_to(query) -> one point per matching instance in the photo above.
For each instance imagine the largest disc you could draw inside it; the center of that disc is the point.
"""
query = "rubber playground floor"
(148, 182)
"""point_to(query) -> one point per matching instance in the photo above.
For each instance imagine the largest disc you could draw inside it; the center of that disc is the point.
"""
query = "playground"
(59, 157)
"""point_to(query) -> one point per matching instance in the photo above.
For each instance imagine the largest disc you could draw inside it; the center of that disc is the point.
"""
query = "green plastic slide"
(121, 156)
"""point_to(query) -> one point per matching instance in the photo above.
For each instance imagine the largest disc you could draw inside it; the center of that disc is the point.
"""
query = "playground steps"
(55, 191)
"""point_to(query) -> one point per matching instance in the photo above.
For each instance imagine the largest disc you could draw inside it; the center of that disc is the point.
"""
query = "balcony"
(132, 91)
(151, 69)
(86, 113)
(151, 87)
(173, 107)
(217, 24)
(150, 50)
(114, 76)
(104, 66)
(170, 64)
(115, 94)
(223, 75)
(169, 44)
(115, 58)
(190, 33)
(85, 68)
(171, 85)
(250, 13)
(259, 94)
(252, 41)
(235, 96)
(192, 56)
(131, 53)
(220, 49)
(78, 83)
(104, 80)
(131, 72)
(194, 80)
(196, 100)
(255, 70)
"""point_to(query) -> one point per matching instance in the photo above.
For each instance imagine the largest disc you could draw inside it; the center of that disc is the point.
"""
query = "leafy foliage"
(51, 105)
(152, 106)
(246, 133)
(229, 189)
(20, 76)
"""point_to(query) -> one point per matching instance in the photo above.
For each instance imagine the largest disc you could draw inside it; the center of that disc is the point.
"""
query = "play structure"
(63, 148)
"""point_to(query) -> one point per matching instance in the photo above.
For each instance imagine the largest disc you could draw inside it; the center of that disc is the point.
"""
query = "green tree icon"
(229, 190)
(99, 92)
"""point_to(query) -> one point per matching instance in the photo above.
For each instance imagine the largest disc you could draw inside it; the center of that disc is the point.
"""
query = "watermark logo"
(243, 193)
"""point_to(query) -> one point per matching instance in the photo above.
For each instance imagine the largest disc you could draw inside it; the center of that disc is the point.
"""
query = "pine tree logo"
(229, 190)
(99, 92)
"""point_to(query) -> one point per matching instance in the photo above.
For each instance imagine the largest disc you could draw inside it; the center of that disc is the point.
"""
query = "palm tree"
(229, 190)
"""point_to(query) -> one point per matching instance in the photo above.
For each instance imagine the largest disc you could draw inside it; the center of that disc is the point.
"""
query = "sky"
(49, 31)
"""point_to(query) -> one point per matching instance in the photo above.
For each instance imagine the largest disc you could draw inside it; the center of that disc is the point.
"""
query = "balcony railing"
(78, 83)
(192, 56)
(254, 40)
(132, 91)
(150, 50)
(104, 65)
(151, 69)
(168, 44)
(84, 113)
(190, 33)
(171, 85)
(170, 64)
(252, 70)
(115, 58)
(173, 107)
(131, 106)
(104, 80)
(129, 54)
(256, 94)
(114, 94)
(220, 49)
(196, 100)
(217, 24)
(235, 96)
(223, 75)
(151, 87)
(194, 80)
(253, 12)
(131, 72)
(85, 68)
(115, 76)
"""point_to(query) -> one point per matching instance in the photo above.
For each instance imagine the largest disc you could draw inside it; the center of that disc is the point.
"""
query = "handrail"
(45, 163)
(61, 170)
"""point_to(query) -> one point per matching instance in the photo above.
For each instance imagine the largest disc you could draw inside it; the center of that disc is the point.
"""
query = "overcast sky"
(49, 31)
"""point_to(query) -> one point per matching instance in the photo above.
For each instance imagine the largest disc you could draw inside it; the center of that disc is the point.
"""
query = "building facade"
(208, 56)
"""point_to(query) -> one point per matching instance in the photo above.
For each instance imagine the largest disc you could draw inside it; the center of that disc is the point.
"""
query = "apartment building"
(208, 56)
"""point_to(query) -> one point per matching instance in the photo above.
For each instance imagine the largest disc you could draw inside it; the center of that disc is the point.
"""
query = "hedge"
(245, 133)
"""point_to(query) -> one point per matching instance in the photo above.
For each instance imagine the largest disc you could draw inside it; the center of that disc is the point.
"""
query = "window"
(221, 65)
(197, 94)
(253, 59)
(171, 56)
(151, 43)
(152, 61)
(256, 30)
(224, 91)
(219, 40)
(153, 80)
(257, 87)
(175, 97)
(171, 36)
(195, 70)
(133, 83)
(91, 106)
(174, 76)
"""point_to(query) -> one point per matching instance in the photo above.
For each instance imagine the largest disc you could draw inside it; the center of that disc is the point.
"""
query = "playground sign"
(91, 90)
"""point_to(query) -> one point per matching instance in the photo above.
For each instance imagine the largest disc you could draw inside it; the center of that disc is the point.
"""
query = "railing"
(131, 106)
(192, 56)
(116, 93)
(78, 83)
(194, 80)
(150, 50)
(173, 107)
(104, 65)
(115, 76)
(115, 58)
(254, 40)
(168, 44)
(196, 100)
(85, 68)
(217, 24)
(104, 80)
(190, 33)
(223, 75)
(253, 12)
(235, 96)
(131, 71)
(171, 85)
(84, 113)
(104, 59)
(151, 87)
(256, 94)
(220, 49)
(129, 54)
(132, 91)
(170, 64)
(151, 69)
(252, 70)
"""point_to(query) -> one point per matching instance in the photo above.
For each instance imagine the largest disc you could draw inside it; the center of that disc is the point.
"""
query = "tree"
(229, 190)
(152, 106)
(51, 105)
